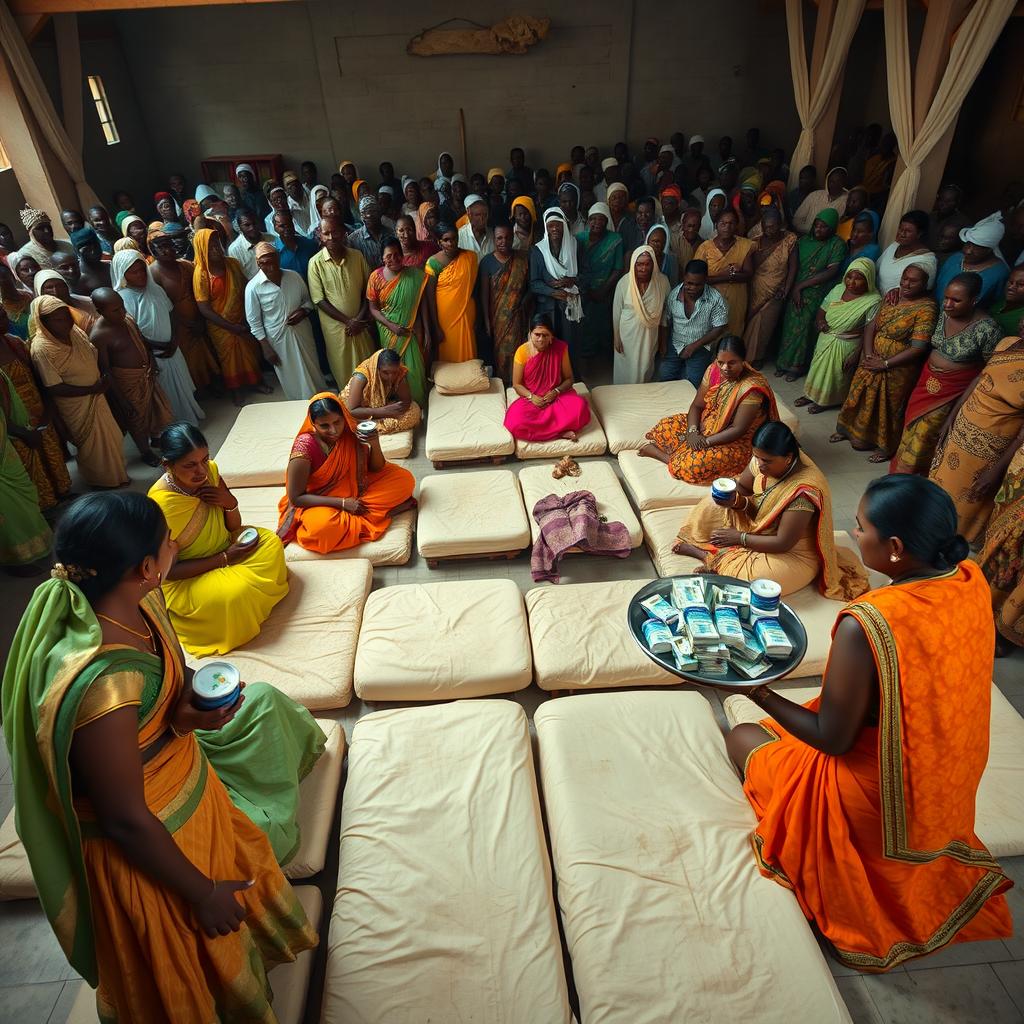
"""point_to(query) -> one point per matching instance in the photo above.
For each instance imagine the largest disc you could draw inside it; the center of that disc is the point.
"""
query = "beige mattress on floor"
(461, 427)
(660, 526)
(789, 416)
(307, 646)
(255, 452)
(258, 507)
(290, 982)
(999, 812)
(591, 438)
(471, 513)
(581, 640)
(597, 477)
(651, 486)
(444, 910)
(318, 795)
(666, 916)
(438, 641)
(628, 411)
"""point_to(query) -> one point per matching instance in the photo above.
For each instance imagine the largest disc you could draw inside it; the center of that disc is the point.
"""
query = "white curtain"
(26, 74)
(973, 43)
(811, 106)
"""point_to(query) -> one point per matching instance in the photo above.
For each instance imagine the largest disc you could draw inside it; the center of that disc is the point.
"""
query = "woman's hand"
(874, 363)
(696, 440)
(892, 297)
(850, 362)
(618, 346)
(32, 439)
(186, 717)
(240, 552)
(797, 297)
(219, 912)
(218, 495)
(560, 296)
(297, 317)
(725, 538)
(551, 396)
(985, 484)
(354, 506)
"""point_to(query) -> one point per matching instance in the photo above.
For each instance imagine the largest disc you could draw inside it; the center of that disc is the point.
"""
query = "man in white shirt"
(695, 317)
(298, 202)
(243, 247)
(476, 236)
(278, 309)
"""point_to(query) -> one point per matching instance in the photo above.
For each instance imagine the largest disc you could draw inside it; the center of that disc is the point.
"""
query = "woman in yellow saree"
(713, 439)
(341, 491)
(218, 284)
(450, 286)
(161, 892)
(220, 591)
(777, 525)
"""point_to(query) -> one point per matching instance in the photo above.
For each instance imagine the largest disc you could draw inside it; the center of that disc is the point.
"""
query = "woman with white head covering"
(249, 192)
(636, 316)
(603, 263)
(445, 169)
(556, 277)
(151, 308)
(982, 256)
(832, 195)
(710, 218)
(569, 204)
(51, 282)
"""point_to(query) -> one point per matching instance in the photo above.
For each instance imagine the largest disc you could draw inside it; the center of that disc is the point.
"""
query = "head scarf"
(344, 164)
(527, 203)
(79, 237)
(126, 243)
(158, 196)
(562, 263)
(42, 276)
(246, 167)
(30, 217)
(648, 307)
(673, 190)
(205, 192)
(120, 262)
(828, 216)
(658, 227)
(424, 207)
(455, 178)
(707, 225)
(773, 194)
(191, 209)
(368, 203)
(157, 229)
(122, 216)
(314, 193)
(667, 149)
(602, 210)
(355, 187)
(386, 188)
(473, 198)
(288, 177)
(617, 186)
(987, 233)
(867, 268)
(441, 176)
(495, 172)
(573, 186)
(832, 171)
(262, 249)
(608, 163)
(565, 168)
(128, 221)
(42, 306)
(694, 139)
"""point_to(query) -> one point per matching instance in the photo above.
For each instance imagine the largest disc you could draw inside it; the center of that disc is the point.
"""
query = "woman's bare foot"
(878, 456)
(780, 373)
(837, 438)
(682, 547)
(801, 401)
(792, 378)
(570, 435)
(814, 408)
(649, 450)
(409, 503)
(1003, 647)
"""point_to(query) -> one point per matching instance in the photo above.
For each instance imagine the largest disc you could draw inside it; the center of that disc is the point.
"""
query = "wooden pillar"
(827, 125)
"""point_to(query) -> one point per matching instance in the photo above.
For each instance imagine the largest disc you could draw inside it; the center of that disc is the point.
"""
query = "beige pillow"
(466, 378)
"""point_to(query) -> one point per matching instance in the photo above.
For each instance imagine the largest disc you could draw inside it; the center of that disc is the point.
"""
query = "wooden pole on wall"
(462, 139)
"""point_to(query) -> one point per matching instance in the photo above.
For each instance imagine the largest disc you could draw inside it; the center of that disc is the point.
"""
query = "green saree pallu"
(24, 533)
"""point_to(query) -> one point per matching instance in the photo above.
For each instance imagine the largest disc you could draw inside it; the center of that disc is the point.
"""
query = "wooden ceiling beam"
(45, 7)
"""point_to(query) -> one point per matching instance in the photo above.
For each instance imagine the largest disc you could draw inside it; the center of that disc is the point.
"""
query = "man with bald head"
(337, 278)
(139, 404)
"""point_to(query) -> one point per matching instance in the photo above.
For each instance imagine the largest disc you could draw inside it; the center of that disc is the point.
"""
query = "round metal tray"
(636, 615)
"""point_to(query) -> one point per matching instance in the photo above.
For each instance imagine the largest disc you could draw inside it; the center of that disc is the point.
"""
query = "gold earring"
(159, 577)
(894, 557)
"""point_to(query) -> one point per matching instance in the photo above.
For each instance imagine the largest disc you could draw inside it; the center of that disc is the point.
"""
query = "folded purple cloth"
(571, 520)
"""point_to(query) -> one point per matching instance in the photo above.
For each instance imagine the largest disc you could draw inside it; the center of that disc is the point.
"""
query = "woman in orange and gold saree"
(340, 489)
(777, 524)
(163, 894)
(219, 288)
(865, 796)
(714, 438)
(451, 283)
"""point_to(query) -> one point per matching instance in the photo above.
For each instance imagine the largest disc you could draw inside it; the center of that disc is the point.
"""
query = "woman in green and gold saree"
(163, 894)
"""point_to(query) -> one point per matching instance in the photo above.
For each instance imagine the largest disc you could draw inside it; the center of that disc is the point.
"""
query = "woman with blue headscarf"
(863, 241)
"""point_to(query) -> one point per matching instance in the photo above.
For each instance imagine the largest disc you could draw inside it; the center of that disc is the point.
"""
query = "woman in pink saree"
(547, 406)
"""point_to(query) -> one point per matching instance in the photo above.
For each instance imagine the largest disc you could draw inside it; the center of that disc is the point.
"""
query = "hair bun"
(954, 550)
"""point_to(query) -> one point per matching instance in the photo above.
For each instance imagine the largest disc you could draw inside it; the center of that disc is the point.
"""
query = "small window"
(99, 96)
(5, 160)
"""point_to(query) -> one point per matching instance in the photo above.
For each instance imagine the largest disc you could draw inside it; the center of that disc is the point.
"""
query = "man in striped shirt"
(697, 316)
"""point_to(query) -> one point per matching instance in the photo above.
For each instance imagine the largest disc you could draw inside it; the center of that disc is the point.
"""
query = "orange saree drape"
(343, 473)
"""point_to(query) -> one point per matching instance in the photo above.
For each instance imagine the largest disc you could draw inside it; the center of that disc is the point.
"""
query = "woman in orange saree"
(219, 288)
(162, 893)
(715, 437)
(340, 489)
(865, 796)
(451, 282)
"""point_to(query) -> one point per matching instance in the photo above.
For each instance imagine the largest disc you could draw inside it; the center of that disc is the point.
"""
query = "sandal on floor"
(801, 401)
(878, 457)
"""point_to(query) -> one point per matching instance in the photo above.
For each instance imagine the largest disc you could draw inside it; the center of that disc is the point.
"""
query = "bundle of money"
(732, 596)
(688, 591)
(772, 637)
(658, 608)
(727, 622)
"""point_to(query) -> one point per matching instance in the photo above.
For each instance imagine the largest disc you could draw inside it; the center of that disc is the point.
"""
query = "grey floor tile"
(6, 798)
(67, 999)
(961, 953)
(29, 1004)
(30, 949)
(1012, 977)
(949, 995)
(5, 761)
(858, 1000)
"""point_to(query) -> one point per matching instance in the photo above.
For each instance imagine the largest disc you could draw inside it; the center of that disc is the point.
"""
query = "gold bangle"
(225, 554)
(180, 735)
(743, 540)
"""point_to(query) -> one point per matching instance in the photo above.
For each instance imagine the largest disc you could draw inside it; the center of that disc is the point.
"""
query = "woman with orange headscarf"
(219, 287)
(340, 489)
(524, 223)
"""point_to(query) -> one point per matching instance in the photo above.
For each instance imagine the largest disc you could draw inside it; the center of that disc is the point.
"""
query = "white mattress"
(438, 641)
(290, 982)
(591, 438)
(462, 427)
(580, 638)
(444, 910)
(255, 452)
(666, 916)
(597, 477)
(660, 526)
(258, 507)
(307, 646)
(471, 513)
(788, 416)
(652, 486)
(999, 811)
(628, 411)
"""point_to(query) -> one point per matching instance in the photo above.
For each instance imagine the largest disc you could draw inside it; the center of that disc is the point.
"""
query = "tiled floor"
(967, 983)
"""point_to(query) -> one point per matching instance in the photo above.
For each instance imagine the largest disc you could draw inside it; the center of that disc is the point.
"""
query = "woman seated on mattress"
(547, 406)
(341, 491)
(378, 390)
(713, 438)
(220, 591)
(776, 525)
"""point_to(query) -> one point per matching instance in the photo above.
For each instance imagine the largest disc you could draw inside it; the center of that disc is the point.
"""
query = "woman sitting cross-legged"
(547, 406)
(219, 591)
(777, 525)
(713, 439)
(146, 820)
(341, 491)
(379, 390)
(865, 797)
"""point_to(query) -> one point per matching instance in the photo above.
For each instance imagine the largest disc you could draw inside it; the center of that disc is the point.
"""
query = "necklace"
(768, 490)
(174, 486)
(148, 637)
